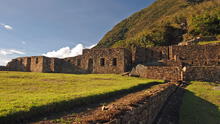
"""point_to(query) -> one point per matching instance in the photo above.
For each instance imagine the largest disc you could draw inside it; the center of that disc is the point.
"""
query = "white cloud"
(7, 27)
(68, 52)
(4, 60)
(5, 52)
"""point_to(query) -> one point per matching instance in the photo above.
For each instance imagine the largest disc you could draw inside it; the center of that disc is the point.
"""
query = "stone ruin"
(92, 61)
(175, 63)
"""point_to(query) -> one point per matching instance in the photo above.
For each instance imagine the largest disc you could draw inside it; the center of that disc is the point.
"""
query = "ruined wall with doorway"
(101, 61)
(106, 60)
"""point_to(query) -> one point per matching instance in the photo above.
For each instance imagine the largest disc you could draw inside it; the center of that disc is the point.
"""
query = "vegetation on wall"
(166, 22)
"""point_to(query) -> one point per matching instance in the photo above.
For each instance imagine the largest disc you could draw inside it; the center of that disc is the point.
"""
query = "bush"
(206, 24)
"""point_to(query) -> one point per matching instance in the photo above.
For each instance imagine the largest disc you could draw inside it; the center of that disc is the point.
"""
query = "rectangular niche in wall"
(114, 62)
(90, 65)
(102, 62)
(219, 60)
(78, 62)
(36, 61)
(21, 61)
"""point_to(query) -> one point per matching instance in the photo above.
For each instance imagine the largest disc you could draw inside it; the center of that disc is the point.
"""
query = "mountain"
(166, 22)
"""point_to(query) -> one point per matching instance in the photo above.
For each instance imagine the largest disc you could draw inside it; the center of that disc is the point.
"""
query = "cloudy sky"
(58, 28)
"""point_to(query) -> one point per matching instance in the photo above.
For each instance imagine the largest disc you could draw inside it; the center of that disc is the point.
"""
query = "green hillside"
(166, 22)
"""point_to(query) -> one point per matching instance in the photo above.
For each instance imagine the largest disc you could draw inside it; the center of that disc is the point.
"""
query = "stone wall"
(102, 61)
(138, 108)
(146, 110)
(149, 55)
(27, 64)
(3, 68)
(19, 64)
(36, 64)
(197, 55)
(193, 55)
(172, 73)
(196, 73)
(92, 61)
(119, 60)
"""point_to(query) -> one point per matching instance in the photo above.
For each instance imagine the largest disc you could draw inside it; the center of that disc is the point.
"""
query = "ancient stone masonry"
(3, 68)
(137, 108)
(92, 61)
(195, 62)
(158, 72)
(166, 62)
(103, 61)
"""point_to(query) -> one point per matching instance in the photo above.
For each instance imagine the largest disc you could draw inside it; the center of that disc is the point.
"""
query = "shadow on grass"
(58, 109)
(195, 110)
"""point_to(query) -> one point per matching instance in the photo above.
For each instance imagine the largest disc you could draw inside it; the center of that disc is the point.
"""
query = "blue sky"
(36, 27)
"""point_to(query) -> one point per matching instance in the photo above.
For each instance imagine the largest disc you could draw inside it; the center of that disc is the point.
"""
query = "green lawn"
(207, 42)
(201, 104)
(21, 91)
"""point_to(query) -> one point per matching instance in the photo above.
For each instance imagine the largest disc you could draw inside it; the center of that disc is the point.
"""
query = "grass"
(207, 42)
(201, 104)
(24, 91)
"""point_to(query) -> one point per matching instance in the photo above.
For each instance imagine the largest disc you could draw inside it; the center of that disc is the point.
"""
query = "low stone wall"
(138, 108)
(207, 73)
(3, 68)
(147, 110)
(172, 73)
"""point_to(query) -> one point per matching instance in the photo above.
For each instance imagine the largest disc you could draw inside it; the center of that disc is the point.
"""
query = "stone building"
(192, 62)
(92, 61)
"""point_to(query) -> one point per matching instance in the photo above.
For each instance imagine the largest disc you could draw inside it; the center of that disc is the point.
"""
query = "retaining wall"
(172, 73)
(138, 108)
(147, 110)
(206, 73)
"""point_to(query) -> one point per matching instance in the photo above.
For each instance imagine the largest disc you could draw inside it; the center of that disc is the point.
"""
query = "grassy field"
(207, 42)
(23, 91)
(201, 104)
